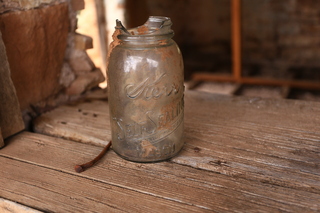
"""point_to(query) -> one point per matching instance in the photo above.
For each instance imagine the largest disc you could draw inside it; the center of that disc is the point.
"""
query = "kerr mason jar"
(145, 91)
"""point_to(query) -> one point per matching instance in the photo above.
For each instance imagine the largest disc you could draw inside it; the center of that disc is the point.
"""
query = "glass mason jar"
(145, 92)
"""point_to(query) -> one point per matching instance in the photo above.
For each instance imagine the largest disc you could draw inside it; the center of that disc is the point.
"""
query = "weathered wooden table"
(241, 155)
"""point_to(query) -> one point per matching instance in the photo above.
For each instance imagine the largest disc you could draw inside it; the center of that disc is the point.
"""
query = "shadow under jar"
(145, 92)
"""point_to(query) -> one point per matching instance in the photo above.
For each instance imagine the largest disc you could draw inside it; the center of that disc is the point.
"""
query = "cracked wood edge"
(7, 206)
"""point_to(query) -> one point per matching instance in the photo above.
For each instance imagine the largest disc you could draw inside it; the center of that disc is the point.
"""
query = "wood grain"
(42, 166)
(270, 141)
(54, 191)
(86, 122)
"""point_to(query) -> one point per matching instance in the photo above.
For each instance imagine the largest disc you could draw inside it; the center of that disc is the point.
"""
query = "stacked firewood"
(43, 59)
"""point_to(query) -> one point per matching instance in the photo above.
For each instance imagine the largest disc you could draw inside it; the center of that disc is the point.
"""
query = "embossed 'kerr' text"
(149, 89)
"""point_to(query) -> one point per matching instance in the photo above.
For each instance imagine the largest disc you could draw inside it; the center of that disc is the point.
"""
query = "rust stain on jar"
(167, 54)
(113, 44)
(142, 30)
(147, 148)
(170, 113)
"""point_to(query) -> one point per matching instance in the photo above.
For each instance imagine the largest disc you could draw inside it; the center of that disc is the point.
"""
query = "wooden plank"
(82, 42)
(54, 191)
(189, 85)
(10, 115)
(7, 206)
(218, 88)
(304, 84)
(87, 122)
(271, 141)
(43, 166)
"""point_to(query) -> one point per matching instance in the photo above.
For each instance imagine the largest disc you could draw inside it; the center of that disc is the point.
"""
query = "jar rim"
(155, 28)
(145, 37)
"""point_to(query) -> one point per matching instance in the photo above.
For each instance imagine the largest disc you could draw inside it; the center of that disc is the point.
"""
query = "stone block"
(85, 82)
(80, 61)
(67, 75)
(36, 41)
(82, 42)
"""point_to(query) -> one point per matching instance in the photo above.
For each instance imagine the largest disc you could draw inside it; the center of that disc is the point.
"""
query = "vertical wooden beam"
(236, 38)
(1, 139)
(103, 38)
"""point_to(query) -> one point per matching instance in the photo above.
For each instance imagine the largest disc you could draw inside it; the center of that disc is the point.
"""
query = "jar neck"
(146, 40)
(156, 31)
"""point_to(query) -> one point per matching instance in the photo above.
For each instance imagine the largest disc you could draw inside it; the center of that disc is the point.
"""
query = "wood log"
(10, 115)
(77, 4)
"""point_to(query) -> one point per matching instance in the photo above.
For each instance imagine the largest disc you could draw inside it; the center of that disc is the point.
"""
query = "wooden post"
(1, 139)
(236, 38)
(10, 115)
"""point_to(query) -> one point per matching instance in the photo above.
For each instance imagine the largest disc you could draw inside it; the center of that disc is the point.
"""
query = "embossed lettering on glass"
(145, 87)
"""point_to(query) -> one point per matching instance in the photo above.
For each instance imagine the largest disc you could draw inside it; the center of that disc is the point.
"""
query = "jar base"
(147, 160)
